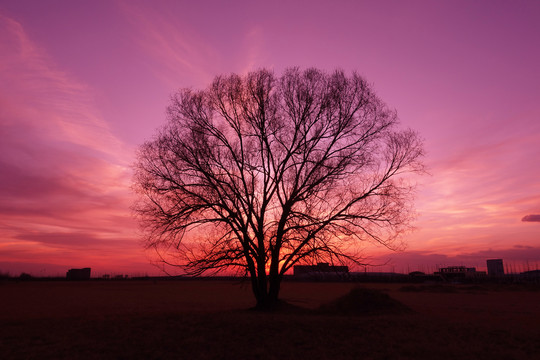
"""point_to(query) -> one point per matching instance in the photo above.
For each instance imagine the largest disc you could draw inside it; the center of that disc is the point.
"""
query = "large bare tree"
(258, 173)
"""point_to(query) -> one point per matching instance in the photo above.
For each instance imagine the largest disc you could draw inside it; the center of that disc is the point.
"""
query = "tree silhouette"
(258, 173)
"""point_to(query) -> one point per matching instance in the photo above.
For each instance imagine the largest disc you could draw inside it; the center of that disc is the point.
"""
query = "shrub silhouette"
(25, 276)
(361, 301)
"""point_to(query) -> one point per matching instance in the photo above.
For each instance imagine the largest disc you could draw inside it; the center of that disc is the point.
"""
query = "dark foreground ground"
(212, 320)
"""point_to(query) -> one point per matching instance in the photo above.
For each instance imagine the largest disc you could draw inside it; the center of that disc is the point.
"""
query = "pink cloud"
(41, 101)
(74, 239)
(64, 176)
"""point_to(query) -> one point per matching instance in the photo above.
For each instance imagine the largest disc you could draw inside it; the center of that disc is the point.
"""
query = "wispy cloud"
(179, 52)
(37, 96)
(254, 45)
(64, 175)
(478, 191)
(183, 56)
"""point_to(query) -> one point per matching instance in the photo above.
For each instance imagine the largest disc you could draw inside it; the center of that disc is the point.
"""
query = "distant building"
(456, 272)
(531, 274)
(320, 268)
(78, 274)
(495, 267)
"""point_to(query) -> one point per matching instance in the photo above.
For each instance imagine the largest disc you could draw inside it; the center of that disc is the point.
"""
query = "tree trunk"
(274, 278)
(275, 285)
(261, 290)
(268, 299)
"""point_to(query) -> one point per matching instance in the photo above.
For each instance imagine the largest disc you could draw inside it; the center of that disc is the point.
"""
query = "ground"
(212, 320)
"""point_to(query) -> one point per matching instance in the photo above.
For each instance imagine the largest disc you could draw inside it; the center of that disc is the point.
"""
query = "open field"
(211, 320)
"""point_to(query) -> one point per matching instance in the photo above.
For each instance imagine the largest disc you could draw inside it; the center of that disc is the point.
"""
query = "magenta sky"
(82, 83)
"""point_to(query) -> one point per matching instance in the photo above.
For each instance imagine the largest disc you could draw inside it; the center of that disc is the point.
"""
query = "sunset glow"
(83, 83)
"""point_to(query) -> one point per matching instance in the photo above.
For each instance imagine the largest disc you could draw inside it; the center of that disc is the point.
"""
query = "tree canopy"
(260, 172)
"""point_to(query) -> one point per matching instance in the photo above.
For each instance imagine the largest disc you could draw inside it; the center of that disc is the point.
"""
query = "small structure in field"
(458, 272)
(495, 267)
(78, 274)
(320, 269)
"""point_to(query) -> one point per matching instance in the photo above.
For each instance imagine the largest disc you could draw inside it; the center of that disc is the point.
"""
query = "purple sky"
(82, 83)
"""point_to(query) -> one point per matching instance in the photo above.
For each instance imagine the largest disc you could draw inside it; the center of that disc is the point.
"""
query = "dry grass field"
(212, 320)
